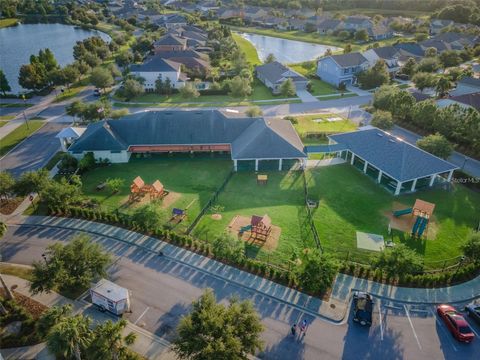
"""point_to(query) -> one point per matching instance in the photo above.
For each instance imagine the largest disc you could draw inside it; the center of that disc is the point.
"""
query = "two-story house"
(341, 69)
(157, 67)
(354, 23)
(389, 54)
(170, 42)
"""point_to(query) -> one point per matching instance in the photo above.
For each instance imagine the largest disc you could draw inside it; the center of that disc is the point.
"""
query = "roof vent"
(392, 141)
(380, 134)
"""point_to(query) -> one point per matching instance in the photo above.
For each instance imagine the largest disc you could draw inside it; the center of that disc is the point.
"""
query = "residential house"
(379, 32)
(252, 143)
(386, 53)
(156, 67)
(171, 21)
(330, 25)
(228, 13)
(470, 100)
(468, 85)
(170, 42)
(437, 25)
(341, 69)
(354, 23)
(254, 15)
(194, 62)
(409, 50)
(439, 45)
(296, 24)
(458, 41)
(274, 74)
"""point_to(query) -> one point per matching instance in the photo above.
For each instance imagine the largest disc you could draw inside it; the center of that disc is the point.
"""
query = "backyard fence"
(309, 214)
(210, 202)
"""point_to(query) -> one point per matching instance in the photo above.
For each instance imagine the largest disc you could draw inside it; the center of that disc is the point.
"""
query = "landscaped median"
(18, 135)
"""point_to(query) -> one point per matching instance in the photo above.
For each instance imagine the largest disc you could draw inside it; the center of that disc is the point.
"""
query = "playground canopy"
(261, 221)
(423, 208)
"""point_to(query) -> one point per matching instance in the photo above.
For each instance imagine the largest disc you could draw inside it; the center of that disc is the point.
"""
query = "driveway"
(34, 152)
(306, 97)
(163, 289)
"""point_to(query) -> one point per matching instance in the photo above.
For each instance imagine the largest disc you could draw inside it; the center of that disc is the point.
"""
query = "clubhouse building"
(252, 143)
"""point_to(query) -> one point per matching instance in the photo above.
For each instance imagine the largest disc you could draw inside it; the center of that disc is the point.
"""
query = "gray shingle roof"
(156, 64)
(351, 59)
(275, 71)
(250, 137)
(394, 157)
(472, 100)
(386, 52)
(170, 39)
(471, 81)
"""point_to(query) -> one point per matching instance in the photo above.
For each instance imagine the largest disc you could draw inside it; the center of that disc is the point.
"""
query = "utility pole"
(25, 115)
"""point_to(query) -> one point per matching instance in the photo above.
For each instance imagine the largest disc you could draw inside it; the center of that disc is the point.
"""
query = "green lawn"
(350, 201)
(194, 179)
(260, 92)
(8, 22)
(307, 123)
(18, 135)
(248, 48)
(69, 93)
(282, 199)
(15, 105)
(320, 87)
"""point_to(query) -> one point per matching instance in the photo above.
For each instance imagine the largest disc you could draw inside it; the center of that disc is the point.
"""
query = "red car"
(455, 322)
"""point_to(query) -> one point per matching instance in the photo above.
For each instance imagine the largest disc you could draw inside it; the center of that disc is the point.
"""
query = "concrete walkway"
(146, 344)
(342, 287)
(324, 162)
(306, 97)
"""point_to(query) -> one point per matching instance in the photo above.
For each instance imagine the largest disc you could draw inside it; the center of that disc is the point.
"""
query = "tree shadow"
(290, 347)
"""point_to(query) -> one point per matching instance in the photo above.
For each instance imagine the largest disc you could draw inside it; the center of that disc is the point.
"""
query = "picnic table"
(262, 179)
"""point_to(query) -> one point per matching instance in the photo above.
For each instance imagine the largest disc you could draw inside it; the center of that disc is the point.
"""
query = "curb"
(330, 320)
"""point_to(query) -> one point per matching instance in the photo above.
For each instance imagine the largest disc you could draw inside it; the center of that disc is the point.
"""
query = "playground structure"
(259, 227)
(178, 215)
(138, 189)
(262, 179)
(422, 211)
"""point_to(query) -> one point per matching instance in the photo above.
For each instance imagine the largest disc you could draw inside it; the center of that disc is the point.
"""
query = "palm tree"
(52, 317)
(70, 337)
(109, 342)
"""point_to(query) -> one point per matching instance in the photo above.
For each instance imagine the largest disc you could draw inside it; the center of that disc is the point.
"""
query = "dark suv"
(362, 308)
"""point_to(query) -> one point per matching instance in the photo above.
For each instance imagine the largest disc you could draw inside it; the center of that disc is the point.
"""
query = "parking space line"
(380, 318)
(471, 327)
(411, 325)
(444, 331)
(143, 313)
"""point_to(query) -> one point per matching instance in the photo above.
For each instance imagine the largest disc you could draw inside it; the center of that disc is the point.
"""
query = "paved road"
(163, 290)
(34, 152)
(468, 164)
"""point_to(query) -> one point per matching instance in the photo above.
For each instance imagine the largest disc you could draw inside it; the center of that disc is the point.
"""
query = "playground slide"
(402, 212)
(416, 225)
(422, 227)
(245, 228)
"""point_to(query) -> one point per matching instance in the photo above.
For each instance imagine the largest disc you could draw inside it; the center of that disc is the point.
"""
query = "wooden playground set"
(256, 230)
(419, 220)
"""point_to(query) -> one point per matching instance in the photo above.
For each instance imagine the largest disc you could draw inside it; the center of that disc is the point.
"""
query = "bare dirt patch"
(217, 216)
(240, 221)
(166, 201)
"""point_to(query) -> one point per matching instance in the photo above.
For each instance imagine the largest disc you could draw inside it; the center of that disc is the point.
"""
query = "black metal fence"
(309, 213)
(210, 202)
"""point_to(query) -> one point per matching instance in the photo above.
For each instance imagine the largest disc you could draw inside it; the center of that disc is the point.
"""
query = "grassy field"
(350, 201)
(193, 179)
(306, 124)
(69, 93)
(260, 92)
(282, 199)
(18, 135)
(248, 48)
(320, 87)
(8, 22)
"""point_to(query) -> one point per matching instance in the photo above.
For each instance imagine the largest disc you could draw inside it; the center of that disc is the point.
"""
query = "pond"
(286, 51)
(17, 43)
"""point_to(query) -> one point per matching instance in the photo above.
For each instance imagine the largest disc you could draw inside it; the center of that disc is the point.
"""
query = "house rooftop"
(470, 81)
(350, 59)
(275, 72)
(156, 64)
(250, 138)
(170, 39)
(472, 100)
(395, 157)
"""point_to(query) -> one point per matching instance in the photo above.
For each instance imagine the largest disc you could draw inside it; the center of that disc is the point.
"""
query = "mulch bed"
(31, 306)
(7, 206)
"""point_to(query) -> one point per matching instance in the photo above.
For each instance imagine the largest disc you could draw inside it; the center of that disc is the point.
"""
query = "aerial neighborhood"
(239, 179)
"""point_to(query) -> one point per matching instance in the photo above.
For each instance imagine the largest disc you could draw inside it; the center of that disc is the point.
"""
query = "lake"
(17, 43)
(286, 51)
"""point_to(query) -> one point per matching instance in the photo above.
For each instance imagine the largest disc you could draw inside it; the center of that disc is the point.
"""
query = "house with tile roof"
(338, 69)
(274, 74)
(247, 140)
(170, 42)
(155, 68)
(395, 164)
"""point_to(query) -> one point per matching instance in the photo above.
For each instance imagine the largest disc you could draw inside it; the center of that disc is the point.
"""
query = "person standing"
(293, 329)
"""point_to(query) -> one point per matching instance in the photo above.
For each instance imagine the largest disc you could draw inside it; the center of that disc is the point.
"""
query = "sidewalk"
(257, 284)
(146, 344)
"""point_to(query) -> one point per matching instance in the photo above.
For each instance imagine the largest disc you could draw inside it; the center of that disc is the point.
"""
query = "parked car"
(473, 311)
(456, 323)
(362, 308)
(97, 92)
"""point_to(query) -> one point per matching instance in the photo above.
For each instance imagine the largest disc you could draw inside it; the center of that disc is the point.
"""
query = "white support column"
(365, 166)
(412, 189)
(256, 164)
(352, 159)
(63, 144)
(235, 164)
(450, 175)
(304, 163)
(379, 178)
(398, 188)
(432, 180)
(280, 163)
